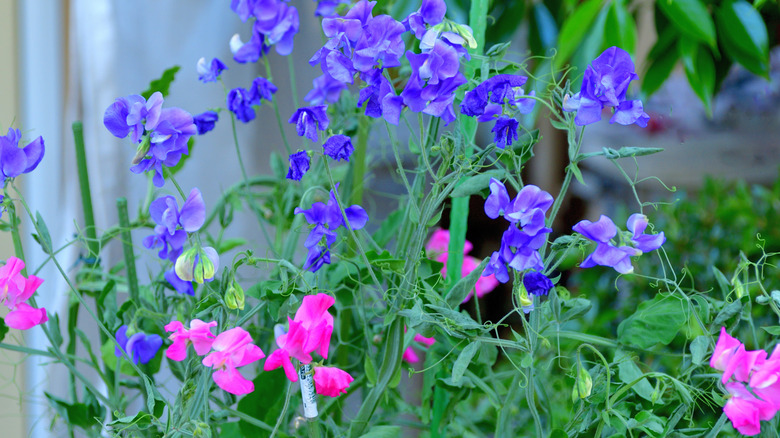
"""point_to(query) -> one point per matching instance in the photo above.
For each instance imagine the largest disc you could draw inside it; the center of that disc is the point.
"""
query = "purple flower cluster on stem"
(604, 85)
(14, 160)
(618, 257)
(526, 233)
(162, 132)
(240, 100)
(276, 24)
(326, 218)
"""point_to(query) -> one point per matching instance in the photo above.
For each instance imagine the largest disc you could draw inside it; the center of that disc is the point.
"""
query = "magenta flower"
(199, 335)
(232, 349)
(410, 355)
(309, 331)
(746, 411)
(331, 381)
(437, 248)
(15, 290)
(14, 160)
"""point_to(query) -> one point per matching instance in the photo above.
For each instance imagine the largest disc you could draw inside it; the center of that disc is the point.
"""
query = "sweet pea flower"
(308, 120)
(181, 286)
(637, 223)
(605, 84)
(339, 147)
(239, 102)
(746, 411)
(606, 254)
(536, 283)
(14, 160)
(331, 381)
(199, 335)
(505, 131)
(197, 264)
(173, 225)
(232, 349)
(409, 354)
(205, 121)
(15, 290)
(261, 89)
(210, 72)
(437, 248)
(299, 165)
(140, 347)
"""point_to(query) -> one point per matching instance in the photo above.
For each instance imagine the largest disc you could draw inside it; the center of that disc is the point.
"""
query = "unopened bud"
(234, 296)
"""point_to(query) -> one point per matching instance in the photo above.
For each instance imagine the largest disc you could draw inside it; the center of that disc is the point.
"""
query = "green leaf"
(700, 70)
(465, 285)
(228, 244)
(773, 330)
(54, 330)
(543, 31)
(43, 238)
(655, 321)
(659, 69)
(389, 228)
(628, 372)
(574, 30)
(463, 361)
(383, 432)
(370, 370)
(3, 329)
(691, 18)
(620, 29)
(744, 36)
(163, 84)
(77, 414)
(727, 312)
(385, 260)
(699, 348)
(477, 183)
(264, 403)
(572, 167)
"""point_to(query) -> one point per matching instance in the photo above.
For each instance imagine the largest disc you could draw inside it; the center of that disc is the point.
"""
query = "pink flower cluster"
(436, 249)
(747, 407)
(231, 349)
(309, 331)
(14, 291)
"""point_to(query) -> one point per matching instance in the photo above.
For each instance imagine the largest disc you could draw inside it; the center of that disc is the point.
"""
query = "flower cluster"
(618, 257)
(276, 23)
(437, 248)
(752, 381)
(14, 160)
(240, 100)
(162, 133)
(309, 331)
(15, 290)
(499, 98)
(527, 232)
(604, 85)
(326, 218)
(139, 347)
(230, 349)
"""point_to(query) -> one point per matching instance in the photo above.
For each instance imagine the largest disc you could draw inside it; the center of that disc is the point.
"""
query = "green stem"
(276, 107)
(93, 245)
(127, 250)
(15, 235)
(358, 161)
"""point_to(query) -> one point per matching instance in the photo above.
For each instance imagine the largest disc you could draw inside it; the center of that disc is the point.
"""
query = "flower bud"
(197, 264)
(234, 296)
(583, 385)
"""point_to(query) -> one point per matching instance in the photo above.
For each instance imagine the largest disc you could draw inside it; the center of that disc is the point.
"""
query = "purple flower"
(262, 88)
(536, 283)
(504, 131)
(140, 347)
(339, 147)
(181, 286)
(299, 165)
(133, 115)
(278, 23)
(325, 89)
(380, 98)
(243, 8)
(205, 122)
(239, 101)
(251, 51)
(637, 223)
(173, 225)
(309, 119)
(210, 72)
(497, 202)
(380, 42)
(606, 254)
(14, 160)
(431, 12)
(499, 89)
(605, 84)
(327, 8)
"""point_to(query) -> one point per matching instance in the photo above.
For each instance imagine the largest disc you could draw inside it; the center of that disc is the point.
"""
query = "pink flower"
(199, 335)
(437, 248)
(724, 350)
(314, 317)
(331, 381)
(746, 411)
(741, 363)
(412, 357)
(233, 349)
(14, 291)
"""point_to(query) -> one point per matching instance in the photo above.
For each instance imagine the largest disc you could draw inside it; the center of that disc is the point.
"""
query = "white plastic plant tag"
(306, 378)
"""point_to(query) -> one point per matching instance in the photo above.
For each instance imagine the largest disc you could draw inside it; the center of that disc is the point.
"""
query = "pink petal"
(280, 358)
(233, 382)
(178, 350)
(410, 356)
(724, 349)
(331, 381)
(315, 309)
(423, 340)
(25, 317)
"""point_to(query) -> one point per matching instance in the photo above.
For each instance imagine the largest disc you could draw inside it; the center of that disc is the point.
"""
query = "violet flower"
(205, 121)
(536, 283)
(325, 89)
(173, 225)
(327, 8)
(637, 223)
(210, 72)
(505, 131)
(140, 347)
(604, 85)
(339, 147)
(310, 119)
(606, 254)
(239, 101)
(299, 165)
(14, 160)
(252, 51)
(261, 89)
